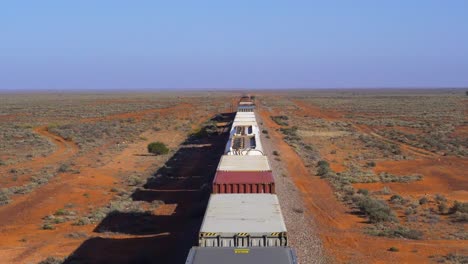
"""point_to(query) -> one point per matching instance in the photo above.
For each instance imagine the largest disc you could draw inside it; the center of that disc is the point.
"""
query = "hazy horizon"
(151, 45)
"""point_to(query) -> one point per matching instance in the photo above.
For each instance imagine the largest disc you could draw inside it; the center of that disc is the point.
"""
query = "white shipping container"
(243, 163)
(243, 220)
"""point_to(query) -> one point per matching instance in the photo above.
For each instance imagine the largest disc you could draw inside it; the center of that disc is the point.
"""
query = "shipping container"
(244, 182)
(243, 220)
(243, 163)
(248, 255)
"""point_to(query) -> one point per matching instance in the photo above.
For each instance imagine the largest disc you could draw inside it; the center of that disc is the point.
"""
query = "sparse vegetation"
(4, 197)
(280, 120)
(395, 232)
(52, 260)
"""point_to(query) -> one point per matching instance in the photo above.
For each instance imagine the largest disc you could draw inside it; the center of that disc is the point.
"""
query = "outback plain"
(364, 176)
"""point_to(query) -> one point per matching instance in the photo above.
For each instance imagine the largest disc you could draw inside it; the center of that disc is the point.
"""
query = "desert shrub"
(393, 249)
(423, 200)
(459, 207)
(77, 235)
(432, 218)
(370, 164)
(65, 167)
(280, 120)
(323, 168)
(376, 210)
(363, 192)
(386, 190)
(158, 148)
(387, 177)
(4, 197)
(290, 133)
(454, 257)
(276, 153)
(264, 131)
(442, 207)
(410, 211)
(459, 211)
(63, 212)
(51, 260)
(460, 217)
(47, 226)
(395, 232)
(82, 221)
(440, 198)
(397, 199)
(134, 181)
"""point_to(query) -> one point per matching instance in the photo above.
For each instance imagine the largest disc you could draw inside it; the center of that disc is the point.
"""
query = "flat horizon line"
(234, 89)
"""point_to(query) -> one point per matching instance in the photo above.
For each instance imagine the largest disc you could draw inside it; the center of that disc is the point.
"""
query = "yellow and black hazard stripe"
(207, 234)
(276, 234)
(241, 250)
(242, 234)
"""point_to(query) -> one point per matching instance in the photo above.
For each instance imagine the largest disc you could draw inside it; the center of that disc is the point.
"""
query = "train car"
(244, 137)
(243, 220)
(248, 255)
(243, 174)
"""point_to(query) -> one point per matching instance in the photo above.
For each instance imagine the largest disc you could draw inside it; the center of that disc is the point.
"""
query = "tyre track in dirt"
(22, 218)
(331, 115)
(63, 150)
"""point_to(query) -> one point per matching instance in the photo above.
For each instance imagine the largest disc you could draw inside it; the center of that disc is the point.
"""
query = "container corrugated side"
(245, 119)
(248, 255)
(243, 163)
(244, 182)
(243, 220)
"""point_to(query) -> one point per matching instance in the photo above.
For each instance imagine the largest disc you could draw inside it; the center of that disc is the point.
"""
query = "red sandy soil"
(444, 175)
(63, 151)
(23, 241)
(340, 231)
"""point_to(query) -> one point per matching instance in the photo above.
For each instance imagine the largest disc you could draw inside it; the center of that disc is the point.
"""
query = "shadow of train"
(185, 180)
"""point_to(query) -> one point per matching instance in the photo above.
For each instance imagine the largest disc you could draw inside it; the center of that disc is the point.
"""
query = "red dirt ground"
(340, 231)
(23, 241)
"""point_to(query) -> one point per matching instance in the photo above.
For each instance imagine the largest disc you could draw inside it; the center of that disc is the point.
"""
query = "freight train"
(243, 222)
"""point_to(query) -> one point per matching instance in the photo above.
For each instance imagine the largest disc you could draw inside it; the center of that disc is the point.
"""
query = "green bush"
(393, 249)
(376, 210)
(323, 168)
(157, 148)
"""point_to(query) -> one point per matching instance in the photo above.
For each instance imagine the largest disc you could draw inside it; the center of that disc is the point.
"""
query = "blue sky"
(112, 44)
